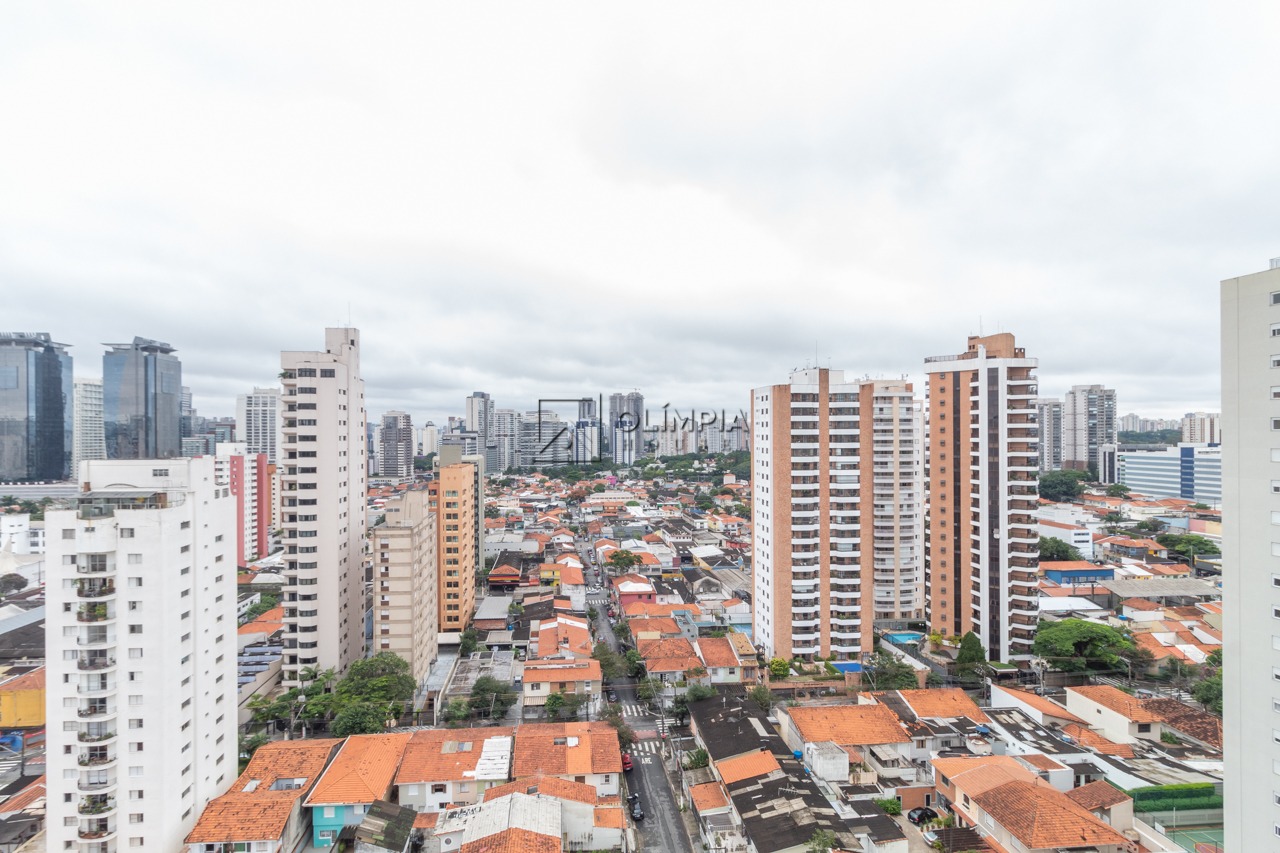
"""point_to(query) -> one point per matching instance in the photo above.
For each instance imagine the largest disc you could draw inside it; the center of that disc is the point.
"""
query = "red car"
(626, 761)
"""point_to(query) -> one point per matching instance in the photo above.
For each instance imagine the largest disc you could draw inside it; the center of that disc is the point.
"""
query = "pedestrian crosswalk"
(649, 747)
(631, 709)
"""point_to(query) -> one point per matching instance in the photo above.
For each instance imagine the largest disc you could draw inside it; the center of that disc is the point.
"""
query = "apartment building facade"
(457, 500)
(837, 494)
(1088, 423)
(323, 484)
(406, 615)
(983, 458)
(1049, 416)
(258, 422)
(141, 651)
(1202, 428)
(1251, 558)
(89, 441)
(395, 441)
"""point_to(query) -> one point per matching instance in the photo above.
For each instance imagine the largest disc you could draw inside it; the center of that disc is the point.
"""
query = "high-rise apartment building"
(981, 543)
(258, 422)
(89, 441)
(1088, 422)
(186, 413)
(836, 512)
(141, 654)
(480, 416)
(36, 415)
(142, 400)
(406, 615)
(506, 438)
(250, 480)
(1251, 559)
(322, 482)
(430, 439)
(1049, 416)
(395, 459)
(456, 500)
(1202, 428)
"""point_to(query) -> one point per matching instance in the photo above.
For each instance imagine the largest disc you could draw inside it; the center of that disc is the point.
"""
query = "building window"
(126, 532)
(159, 472)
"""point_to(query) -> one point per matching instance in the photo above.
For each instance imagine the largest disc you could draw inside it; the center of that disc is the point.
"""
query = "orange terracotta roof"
(1097, 795)
(514, 840)
(444, 755)
(717, 652)
(1066, 565)
(1096, 742)
(1192, 722)
(1116, 700)
(583, 748)
(540, 671)
(362, 772)
(1040, 703)
(974, 774)
(1042, 817)
(609, 817)
(551, 786)
(749, 766)
(571, 576)
(33, 680)
(426, 820)
(848, 725)
(1141, 604)
(651, 608)
(709, 795)
(237, 816)
(742, 644)
(268, 622)
(287, 759)
(647, 559)
(656, 625)
(945, 703)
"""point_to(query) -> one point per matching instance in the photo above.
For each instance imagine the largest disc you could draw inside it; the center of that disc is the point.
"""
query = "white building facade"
(258, 422)
(141, 653)
(89, 441)
(323, 484)
(1251, 559)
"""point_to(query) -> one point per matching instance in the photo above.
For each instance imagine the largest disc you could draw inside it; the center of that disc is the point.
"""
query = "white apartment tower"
(1251, 559)
(406, 618)
(836, 521)
(1049, 414)
(89, 441)
(395, 442)
(322, 489)
(141, 652)
(258, 422)
(982, 548)
(1088, 422)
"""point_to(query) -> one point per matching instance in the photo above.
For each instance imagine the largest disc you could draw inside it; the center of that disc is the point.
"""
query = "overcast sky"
(690, 199)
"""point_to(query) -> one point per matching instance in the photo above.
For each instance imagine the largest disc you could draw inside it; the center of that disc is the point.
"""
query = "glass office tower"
(35, 407)
(142, 400)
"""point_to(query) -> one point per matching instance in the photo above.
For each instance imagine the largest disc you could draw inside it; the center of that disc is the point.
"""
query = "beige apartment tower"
(981, 551)
(837, 521)
(455, 502)
(322, 497)
(406, 618)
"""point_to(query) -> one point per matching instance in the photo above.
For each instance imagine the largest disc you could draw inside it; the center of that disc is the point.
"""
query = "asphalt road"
(662, 830)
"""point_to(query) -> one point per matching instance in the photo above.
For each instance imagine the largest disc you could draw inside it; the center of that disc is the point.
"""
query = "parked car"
(637, 813)
(613, 696)
(922, 815)
(929, 837)
(626, 761)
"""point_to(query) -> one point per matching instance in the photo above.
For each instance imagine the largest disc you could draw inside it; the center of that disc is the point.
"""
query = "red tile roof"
(362, 772)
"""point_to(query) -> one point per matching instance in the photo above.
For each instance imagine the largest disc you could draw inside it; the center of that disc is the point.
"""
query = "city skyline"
(721, 196)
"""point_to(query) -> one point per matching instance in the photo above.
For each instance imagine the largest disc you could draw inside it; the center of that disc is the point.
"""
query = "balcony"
(97, 760)
(101, 688)
(94, 613)
(95, 638)
(95, 736)
(97, 805)
(91, 589)
(94, 663)
(97, 831)
(96, 782)
(95, 710)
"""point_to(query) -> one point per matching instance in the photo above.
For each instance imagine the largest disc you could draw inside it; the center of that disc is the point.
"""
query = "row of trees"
(373, 693)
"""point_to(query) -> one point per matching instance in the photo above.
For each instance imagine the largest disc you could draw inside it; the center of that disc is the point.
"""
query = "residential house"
(564, 636)
(632, 588)
(514, 823)
(576, 677)
(588, 820)
(263, 811)
(574, 587)
(1114, 714)
(720, 659)
(1044, 711)
(871, 734)
(445, 768)
(577, 752)
(1033, 816)
(363, 771)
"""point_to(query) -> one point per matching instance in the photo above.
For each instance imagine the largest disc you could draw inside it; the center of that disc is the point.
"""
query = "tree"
(12, 582)
(491, 698)
(885, 672)
(779, 668)
(971, 656)
(554, 705)
(680, 709)
(623, 560)
(634, 662)
(1189, 545)
(698, 692)
(382, 678)
(762, 696)
(611, 663)
(363, 718)
(1061, 486)
(647, 691)
(1053, 550)
(889, 805)
(697, 758)
(822, 841)
(1117, 490)
(1074, 645)
(1209, 692)
(470, 639)
(265, 603)
(458, 711)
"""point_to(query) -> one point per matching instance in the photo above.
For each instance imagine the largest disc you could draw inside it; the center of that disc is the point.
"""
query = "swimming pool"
(899, 638)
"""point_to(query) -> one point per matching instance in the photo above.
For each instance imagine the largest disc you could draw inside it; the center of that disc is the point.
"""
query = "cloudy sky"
(552, 199)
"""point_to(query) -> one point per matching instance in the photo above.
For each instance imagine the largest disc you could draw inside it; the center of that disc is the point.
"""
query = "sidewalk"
(687, 817)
